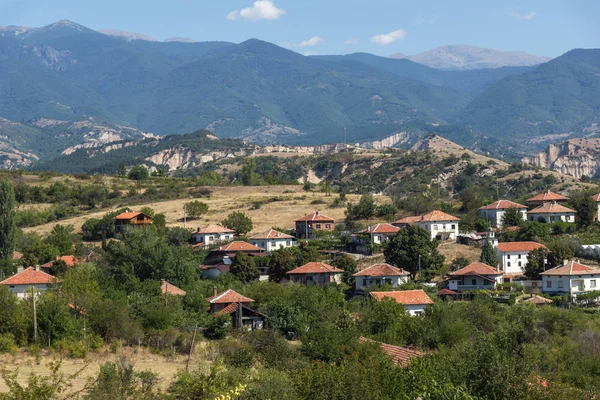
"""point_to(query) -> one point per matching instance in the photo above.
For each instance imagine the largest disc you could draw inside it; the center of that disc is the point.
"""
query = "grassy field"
(84, 370)
(282, 205)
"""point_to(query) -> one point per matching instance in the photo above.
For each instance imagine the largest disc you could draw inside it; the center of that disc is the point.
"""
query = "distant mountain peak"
(65, 23)
(179, 39)
(129, 36)
(398, 55)
(465, 57)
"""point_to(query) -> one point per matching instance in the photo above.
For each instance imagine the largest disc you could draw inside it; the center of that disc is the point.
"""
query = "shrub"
(7, 343)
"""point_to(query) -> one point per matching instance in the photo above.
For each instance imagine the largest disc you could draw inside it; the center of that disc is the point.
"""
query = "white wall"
(514, 260)
(553, 217)
(440, 228)
(23, 291)
(273, 244)
(209, 238)
(570, 283)
(495, 216)
(415, 309)
(372, 280)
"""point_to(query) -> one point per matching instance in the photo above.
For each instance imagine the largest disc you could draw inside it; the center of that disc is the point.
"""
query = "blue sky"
(383, 27)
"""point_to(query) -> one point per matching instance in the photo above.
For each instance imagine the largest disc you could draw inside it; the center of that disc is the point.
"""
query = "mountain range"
(259, 92)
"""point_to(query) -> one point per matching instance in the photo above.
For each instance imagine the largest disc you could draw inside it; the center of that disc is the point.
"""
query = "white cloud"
(528, 16)
(387, 38)
(261, 9)
(313, 41)
(350, 42)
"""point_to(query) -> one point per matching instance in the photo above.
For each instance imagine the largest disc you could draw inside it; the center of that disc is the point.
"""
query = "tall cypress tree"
(7, 219)
(488, 254)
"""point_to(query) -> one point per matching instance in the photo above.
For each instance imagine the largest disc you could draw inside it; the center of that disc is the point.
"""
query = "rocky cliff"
(575, 157)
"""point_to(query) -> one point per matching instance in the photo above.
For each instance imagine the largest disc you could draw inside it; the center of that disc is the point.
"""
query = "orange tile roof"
(128, 215)
(316, 217)
(228, 296)
(16, 256)
(400, 355)
(239, 246)
(69, 260)
(538, 300)
(381, 228)
(437, 215)
(548, 208)
(167, 288)
(476, 268)
(227, 310)
(447, 292)
(596, 197)
(382, 270)
(572, 268)
(508, 247)
(214, 228)
(407, 220)
(315, 268)
(29, 276)
(548, 196)
(502, 205)
(271, 234)
(406, 297)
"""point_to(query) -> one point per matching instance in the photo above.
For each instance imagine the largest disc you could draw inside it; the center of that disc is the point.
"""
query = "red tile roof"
(316, 217)
(400, 355)
(382, 270)
(519, 247)
(128, 215)
(538, 300)
(381, 228)
(446, 292)
(502, 205)
(548, 196)
(437, 215)
(315, 268)
(597, 198)
(16, 256)
(214, 228)
(239, 246)
(271, 234)
(407, 220)
(227, 310)
(167, 288)
(548, 208)
(228, 296)
(572, 268)
(29, 276)
(476, 268)
(69, 260)
(406, 297)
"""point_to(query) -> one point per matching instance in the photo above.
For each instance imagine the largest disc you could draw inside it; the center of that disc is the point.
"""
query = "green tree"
(196, 209)
(239, 222)
(244, 268)
(585, 206)
(365, 208)
(411, 247)
(61, 237)
(122, 171)
(536, 263)
(7, 219)
(282, 261)
(248, 172)
(488, 254)
(561, 250)
(512, 217)
(178, 236)
(138, 173)
(348, 264)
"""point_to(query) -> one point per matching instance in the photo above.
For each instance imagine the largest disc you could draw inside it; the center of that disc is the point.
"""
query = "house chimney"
(565, 262)
(37, 267)
(19, 270)
(317, 212)
(198, 229)
(214, 290)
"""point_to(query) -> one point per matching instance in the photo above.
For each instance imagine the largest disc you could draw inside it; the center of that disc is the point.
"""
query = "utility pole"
(306, 226)
(419, 266)
(187, 364)
(34, 314)
(184, 216)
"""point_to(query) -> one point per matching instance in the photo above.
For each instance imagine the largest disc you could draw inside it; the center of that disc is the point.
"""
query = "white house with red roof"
(212, 234)
(21, 283)
(307, 226)
(513, 256)
(475, 276)
(272, 240)
(373, 235)
(379, 275)
(494, 213)
(570, 278)
(546, 197)
(237, 306)
(415, 301)
(551, 212)
(316, 273)
(70, 262)
(440, 225)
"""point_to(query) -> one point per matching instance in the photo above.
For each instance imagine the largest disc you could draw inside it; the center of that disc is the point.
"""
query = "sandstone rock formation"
(575, 157)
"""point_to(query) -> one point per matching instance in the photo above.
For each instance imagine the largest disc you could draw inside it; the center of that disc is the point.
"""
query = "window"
(508, 256)
(365, 282)
(328, 226)
(593, 283)
(227, 237)
(211, 238)
(453, 226)
(560, 284)
(474, 282)
(548, 284)
(434, 227)
(508, 264)
(519, 257)
(288, 243)
(318, 226)
(520, 264)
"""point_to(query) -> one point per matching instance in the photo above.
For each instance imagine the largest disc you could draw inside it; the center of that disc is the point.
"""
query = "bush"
(218, 327)
(236, 354)
(7, 343)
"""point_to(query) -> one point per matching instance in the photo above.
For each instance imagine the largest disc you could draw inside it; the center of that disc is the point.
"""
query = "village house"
(401, 356)
(226, 253)
(597, 200)
(211, 234)
(172, 290)
(127, 219)
(309, 225)
(379, 275)
(373, 235)
(513, 257)
(571, 278)
(316, 273)
(474, 276)
(23, 281)
(415, 301)
(538, 300)
(441, 226)
(232, 303)
(70, 261)
(494, 213)
(551, 212)
(543, 198)
(272, 240)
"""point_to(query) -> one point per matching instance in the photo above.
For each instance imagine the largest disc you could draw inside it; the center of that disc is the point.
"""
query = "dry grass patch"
(451, 250)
